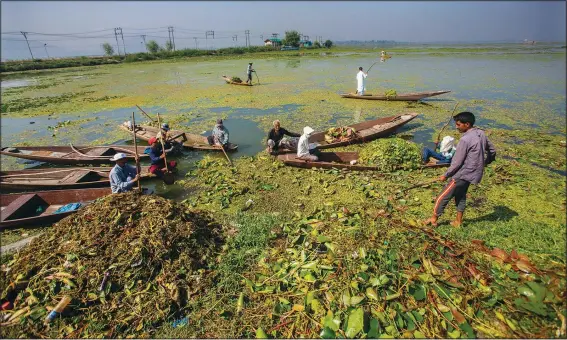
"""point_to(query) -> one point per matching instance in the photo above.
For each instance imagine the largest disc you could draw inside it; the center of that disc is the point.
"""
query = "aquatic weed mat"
(363, 273)
(128, 263)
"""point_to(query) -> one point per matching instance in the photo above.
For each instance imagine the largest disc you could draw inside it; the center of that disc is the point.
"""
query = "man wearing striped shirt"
(474, 151)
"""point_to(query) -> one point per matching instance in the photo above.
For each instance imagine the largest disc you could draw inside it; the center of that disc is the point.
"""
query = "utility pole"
(247, 34)
(207, 33)
(235, 38)
(116, 36)
(196, 46)
(120, 28)
(173, 38)
(144, 39)
(25, 36)
(45, 46)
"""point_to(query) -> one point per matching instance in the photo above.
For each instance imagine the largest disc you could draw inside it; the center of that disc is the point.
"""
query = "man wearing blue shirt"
(123, 176)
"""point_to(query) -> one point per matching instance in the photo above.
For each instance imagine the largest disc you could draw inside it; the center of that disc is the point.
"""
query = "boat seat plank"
(100, 152)
(23, 206)
(51, 209)
(76, 177)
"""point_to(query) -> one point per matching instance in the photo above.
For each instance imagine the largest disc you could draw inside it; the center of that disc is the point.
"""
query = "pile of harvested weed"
(153, 253)
(236, 80)
(340, 134)
(390, 154)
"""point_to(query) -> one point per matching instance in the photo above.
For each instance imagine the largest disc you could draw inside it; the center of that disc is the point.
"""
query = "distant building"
(273, 42)
(305, 43)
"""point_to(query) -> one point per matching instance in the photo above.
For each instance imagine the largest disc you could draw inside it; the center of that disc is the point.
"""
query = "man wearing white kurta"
(303, 151)
(360, 81)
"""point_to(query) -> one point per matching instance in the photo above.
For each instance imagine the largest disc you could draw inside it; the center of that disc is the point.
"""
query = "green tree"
(153, 46)
(108, 49)
(291, 38)
(317, 44)
(328, 43)
(168, 46)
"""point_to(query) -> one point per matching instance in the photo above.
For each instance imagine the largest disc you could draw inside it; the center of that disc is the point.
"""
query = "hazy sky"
(336, 20)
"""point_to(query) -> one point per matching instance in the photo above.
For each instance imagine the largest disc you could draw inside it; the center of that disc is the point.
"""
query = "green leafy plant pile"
(391, 154)
(391, 93)
(236, 80)
(154, 251)
(340, 134)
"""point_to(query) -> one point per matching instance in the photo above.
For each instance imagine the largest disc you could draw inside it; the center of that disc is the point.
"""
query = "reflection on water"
(6, 84)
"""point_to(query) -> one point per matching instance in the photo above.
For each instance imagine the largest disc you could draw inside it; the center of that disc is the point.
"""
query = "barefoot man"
(474, 151)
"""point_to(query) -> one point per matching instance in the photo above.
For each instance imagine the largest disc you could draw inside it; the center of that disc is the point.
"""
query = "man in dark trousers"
(474, 151)
(249, 71)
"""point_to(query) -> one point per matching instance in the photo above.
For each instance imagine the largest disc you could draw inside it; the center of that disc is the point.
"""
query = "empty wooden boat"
(58, 178)
(414, 96)
(337, 160)
(75, 154)
(366, 131)
(189, 140)
(38, 208)
(229, 81)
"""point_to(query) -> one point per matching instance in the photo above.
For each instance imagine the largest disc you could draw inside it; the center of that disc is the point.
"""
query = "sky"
(72, 28)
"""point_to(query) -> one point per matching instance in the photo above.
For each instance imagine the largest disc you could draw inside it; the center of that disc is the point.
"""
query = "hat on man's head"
(249, 63)
(152, 140)
(165, 126)
(118, 157)
(308, 130)
(219, 121)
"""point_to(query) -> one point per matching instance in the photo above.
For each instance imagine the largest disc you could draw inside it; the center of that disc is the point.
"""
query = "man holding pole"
(157, 156)
(249, 71)
(360, 81)
(123, 176)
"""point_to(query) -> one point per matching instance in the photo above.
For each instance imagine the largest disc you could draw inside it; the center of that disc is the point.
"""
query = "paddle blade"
(168, 178)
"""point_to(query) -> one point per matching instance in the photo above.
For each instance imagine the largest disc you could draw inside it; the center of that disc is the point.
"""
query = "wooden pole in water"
(168, 176)
(228, 159)
(446, 124)
(138, 168)
(144, 112)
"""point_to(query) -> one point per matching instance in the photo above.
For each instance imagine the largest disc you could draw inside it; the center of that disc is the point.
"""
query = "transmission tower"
(116, 36)
(120, 28)
(144, 39)
(25, 36)
(207, 33)
(247, 34)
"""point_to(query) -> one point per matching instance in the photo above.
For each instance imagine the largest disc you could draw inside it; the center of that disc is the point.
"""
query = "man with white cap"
(446, 151)
(303, 151)
(123, 176)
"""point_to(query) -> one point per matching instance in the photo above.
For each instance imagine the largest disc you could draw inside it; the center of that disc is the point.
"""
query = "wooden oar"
(138, 168)
(446, 124)
(257, 77)
(168, 177)
(422, 184)
(144, 112)
(228, 159)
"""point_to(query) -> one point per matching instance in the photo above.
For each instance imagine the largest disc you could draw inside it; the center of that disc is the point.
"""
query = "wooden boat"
(37, 208)
(74, 155)
(58, 178)
(229, 81)
(366, 131)
(337, 160)
(414, 96)
(189, 140)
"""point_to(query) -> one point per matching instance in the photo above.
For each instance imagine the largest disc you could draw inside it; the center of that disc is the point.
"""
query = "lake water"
(505, 90)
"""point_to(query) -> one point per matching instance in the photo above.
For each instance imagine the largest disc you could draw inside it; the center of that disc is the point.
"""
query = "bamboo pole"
(138, 168)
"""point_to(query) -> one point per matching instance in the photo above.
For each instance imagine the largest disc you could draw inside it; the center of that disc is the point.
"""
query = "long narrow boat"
(58, 178)
(229, 81)
(191, 140)
(414, 96)
(338, 160)
(38, 208)
(366, 131)
(74, 155)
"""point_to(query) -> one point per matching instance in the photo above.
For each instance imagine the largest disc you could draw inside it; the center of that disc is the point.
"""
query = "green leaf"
(418, 292)
(260, 334)
(418, 335)
(537, 308)
(355, 322)
(374, 331)
(539, 290)
(467, 329)
(455, 334)
(327, 333)
(331, 322)
(355, 300)
(371, 293)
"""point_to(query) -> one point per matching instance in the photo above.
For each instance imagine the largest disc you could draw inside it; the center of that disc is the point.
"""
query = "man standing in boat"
(473, 153)
(123, 176)
(360, 81)
(249, 71)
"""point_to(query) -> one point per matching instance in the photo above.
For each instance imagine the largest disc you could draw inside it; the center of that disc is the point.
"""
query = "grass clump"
(391, 154)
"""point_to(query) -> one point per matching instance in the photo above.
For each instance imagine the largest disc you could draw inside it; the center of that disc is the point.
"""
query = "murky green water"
(505, 90)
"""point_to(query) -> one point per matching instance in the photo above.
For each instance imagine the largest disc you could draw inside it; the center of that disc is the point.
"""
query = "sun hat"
(165, 126)
(118, 156)
(308, 130)
(152, 140)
